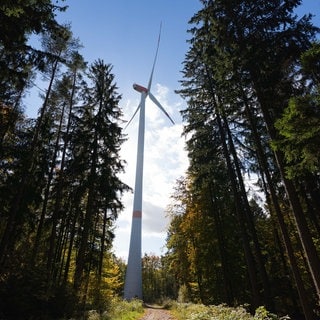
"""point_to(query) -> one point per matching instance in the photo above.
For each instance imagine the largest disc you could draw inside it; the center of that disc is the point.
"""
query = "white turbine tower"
(133, 281)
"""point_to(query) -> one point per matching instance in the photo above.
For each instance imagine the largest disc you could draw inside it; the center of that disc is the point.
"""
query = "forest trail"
(152, 313)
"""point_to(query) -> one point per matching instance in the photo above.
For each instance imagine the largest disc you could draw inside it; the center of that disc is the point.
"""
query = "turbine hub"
(139, 88)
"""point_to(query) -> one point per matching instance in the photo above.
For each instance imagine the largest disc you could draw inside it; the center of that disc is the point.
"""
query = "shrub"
(120, 310)
(221, 312)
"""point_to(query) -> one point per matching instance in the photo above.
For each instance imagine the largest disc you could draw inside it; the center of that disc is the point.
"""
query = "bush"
(119, 310)
(221, 312)
(183, 294)
(168, 303)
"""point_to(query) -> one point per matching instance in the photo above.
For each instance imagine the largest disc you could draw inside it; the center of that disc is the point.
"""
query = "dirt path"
(157, 314)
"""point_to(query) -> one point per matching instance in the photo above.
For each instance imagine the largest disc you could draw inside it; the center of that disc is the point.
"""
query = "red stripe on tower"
(137, 214)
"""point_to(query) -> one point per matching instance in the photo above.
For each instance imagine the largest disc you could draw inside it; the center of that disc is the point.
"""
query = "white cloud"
(165, 161)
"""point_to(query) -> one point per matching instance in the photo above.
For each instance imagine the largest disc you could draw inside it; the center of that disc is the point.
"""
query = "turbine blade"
(132, 116)
(155, 59)
(154, 99)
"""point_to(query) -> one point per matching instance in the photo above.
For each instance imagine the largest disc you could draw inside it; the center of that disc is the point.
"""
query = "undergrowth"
(119, 310)
(123, 310)
(184, 311)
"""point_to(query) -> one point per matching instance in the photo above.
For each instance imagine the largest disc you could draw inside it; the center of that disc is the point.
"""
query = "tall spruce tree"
(95, 161)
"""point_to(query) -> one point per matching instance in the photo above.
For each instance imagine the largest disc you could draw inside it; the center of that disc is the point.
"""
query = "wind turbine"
(133, 280)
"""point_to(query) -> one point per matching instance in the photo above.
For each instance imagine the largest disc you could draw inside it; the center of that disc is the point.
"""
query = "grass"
(120, 310)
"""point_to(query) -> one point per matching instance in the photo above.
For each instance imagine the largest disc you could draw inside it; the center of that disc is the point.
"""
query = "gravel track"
(157, 314)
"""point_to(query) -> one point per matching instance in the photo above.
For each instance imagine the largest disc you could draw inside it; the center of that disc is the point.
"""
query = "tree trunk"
(256, 299)
(80, 262)
(8, 238)
(298, 214)
(304, 298)
(46, 196)
(250, 223)
(229, 297)
(60, 179)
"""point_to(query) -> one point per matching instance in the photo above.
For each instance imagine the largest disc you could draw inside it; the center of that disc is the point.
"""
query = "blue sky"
(124, 33)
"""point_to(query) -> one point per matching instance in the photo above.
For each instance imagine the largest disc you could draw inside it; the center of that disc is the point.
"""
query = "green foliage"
(298, 127)
(198, 249)
(183, 294)
(299, 130)
(262, 314)
(95, 165)
(157, 279)
(123, 310)
(18, 20)
(310, 61)
(221, 312)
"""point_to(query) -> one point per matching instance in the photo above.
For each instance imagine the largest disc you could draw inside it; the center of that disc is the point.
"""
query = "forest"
(251, 82)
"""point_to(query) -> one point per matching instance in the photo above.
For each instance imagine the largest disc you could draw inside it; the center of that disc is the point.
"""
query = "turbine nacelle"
(139, 88)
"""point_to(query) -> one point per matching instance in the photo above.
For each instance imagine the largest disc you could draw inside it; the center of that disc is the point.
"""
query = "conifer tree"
(95, 162)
